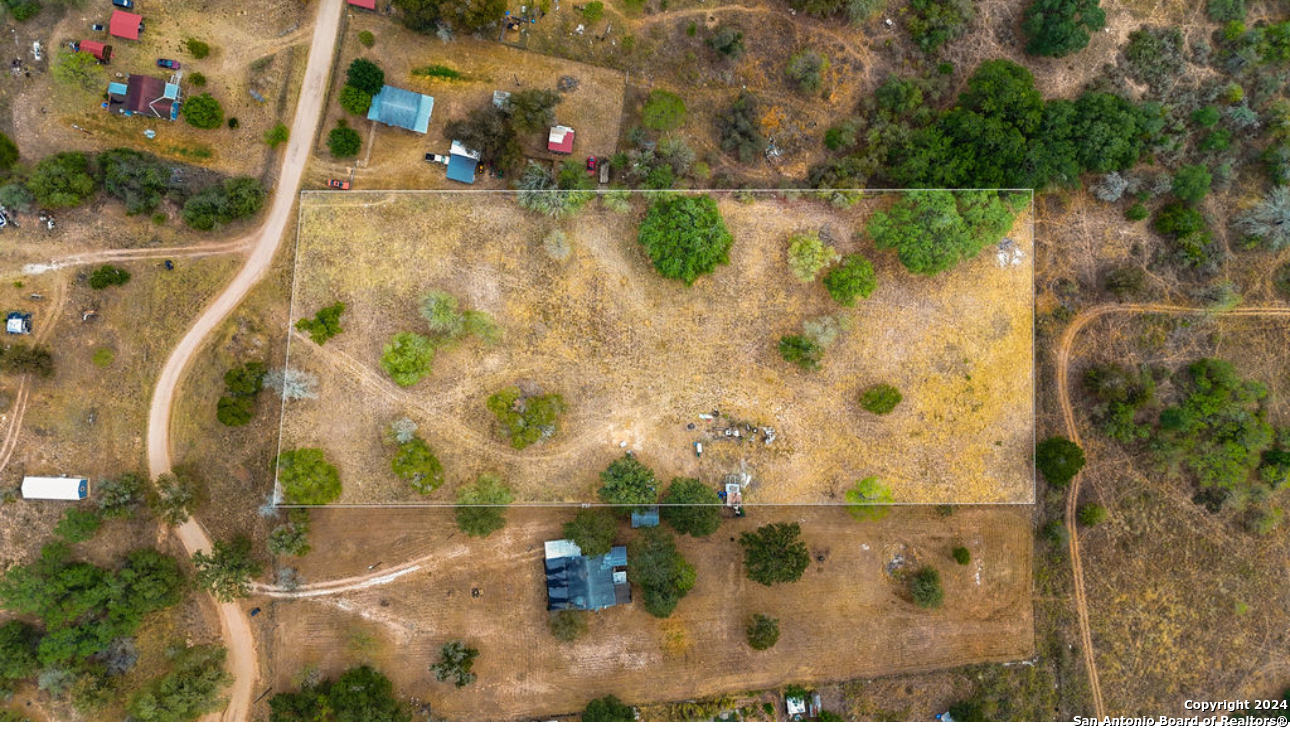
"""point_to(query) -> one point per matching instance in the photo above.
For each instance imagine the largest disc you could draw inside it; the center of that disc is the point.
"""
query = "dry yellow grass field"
(845, 618)
(638, 358)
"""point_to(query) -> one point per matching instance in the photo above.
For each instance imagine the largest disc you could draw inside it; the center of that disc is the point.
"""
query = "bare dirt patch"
(639, 358)
(843, 619)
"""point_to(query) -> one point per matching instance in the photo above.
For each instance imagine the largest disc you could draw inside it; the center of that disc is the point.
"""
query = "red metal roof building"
(364, 4)
(125, 25)
(560, 140)
(146, 96)
(101, 51)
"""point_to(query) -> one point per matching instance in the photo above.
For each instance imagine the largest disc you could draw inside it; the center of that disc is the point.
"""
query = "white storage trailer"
(58, 488)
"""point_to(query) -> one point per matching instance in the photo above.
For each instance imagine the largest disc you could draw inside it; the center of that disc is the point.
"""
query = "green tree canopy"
(365, 76)
(763, 632)
(415, 463)
(807, 254)
(291, 538)
(880, 399)
(1059, 28)
(851, 279)
(78, 68)
(627, 481)
(18, 642)
(593, 530)
(935, 230)
(659, 570)
(203, 111)
(222, 203)
(456, 660)
(228, 570)
(480, 509)
(344, 141)
(801, 350)
(361, 694)
(355, 101)
(869, 499)
(325, 323)
(1191, 183)
(137, 179)
(533, 110)
(62, 180)
(307, 478)
(78, 525)
(526, 420)
(174, 496)
(1058, 459)
(685, 237)
(608, 708)
(775, 553)
(191, 688)
(488, 130)
(407, 358)
(925, 588)
(693, 507)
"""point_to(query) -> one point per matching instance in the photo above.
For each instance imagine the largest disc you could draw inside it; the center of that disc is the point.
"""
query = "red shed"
(101, 51)
(364, 4)
(560, 140)
(125, 25)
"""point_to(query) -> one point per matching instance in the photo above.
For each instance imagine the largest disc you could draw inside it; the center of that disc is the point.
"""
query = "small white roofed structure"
(55, 488)
(558, 548)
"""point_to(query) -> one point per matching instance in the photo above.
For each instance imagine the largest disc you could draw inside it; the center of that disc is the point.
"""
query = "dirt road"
(1068, 416)
(234, 624)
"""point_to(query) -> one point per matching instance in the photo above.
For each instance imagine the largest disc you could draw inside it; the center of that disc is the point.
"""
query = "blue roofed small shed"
(647, 517)
(575, 582)
(400, 108)
(462, 163)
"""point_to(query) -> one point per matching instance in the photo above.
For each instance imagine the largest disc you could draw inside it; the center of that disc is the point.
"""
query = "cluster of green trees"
(409, 355)
(657, 165)
(740, 128)
(1214, 427)
(138, 179)
(361, 694)
(659, 570)
(935, 230)
(1000, 134)
(291, 537)
(880, 399)
(203, 111)
(82, 609)
(775, 553)
(488, 129)
(557, 194)
(242, 384)
(363, 80)
(466, 15)
(325, 323)
(190, 689)
(456, 659)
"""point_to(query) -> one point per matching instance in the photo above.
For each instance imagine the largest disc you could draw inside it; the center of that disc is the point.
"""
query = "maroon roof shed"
(101, 51)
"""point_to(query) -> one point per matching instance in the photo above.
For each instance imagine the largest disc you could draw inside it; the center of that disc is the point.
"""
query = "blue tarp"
(461, 169)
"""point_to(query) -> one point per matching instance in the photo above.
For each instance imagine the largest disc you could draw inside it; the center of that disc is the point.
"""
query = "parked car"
(591, 163)
(167, 63)
(97, 27)
(440, 159)
(338, 184)
(127, 4)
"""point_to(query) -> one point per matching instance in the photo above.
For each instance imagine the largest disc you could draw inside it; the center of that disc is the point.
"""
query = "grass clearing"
(638, 358)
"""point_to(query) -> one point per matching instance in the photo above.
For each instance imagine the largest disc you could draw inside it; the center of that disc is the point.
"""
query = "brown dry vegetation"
(392, 158)
(637, 357)
(1207, 619)
(844, 618)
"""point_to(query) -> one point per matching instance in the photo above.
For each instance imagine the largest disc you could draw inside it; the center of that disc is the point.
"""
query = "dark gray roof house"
(575, 582)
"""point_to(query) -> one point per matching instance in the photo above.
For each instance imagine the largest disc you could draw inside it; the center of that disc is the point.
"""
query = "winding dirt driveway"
(1068, 416)
(263, 244)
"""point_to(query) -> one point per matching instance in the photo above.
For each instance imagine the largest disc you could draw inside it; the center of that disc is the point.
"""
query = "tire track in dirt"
(24, 384)
(1068, 417)
(117, 255)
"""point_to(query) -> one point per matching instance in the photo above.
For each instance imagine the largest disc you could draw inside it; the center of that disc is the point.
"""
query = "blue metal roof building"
(462, 163)
(575, 582)
(400, 108)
